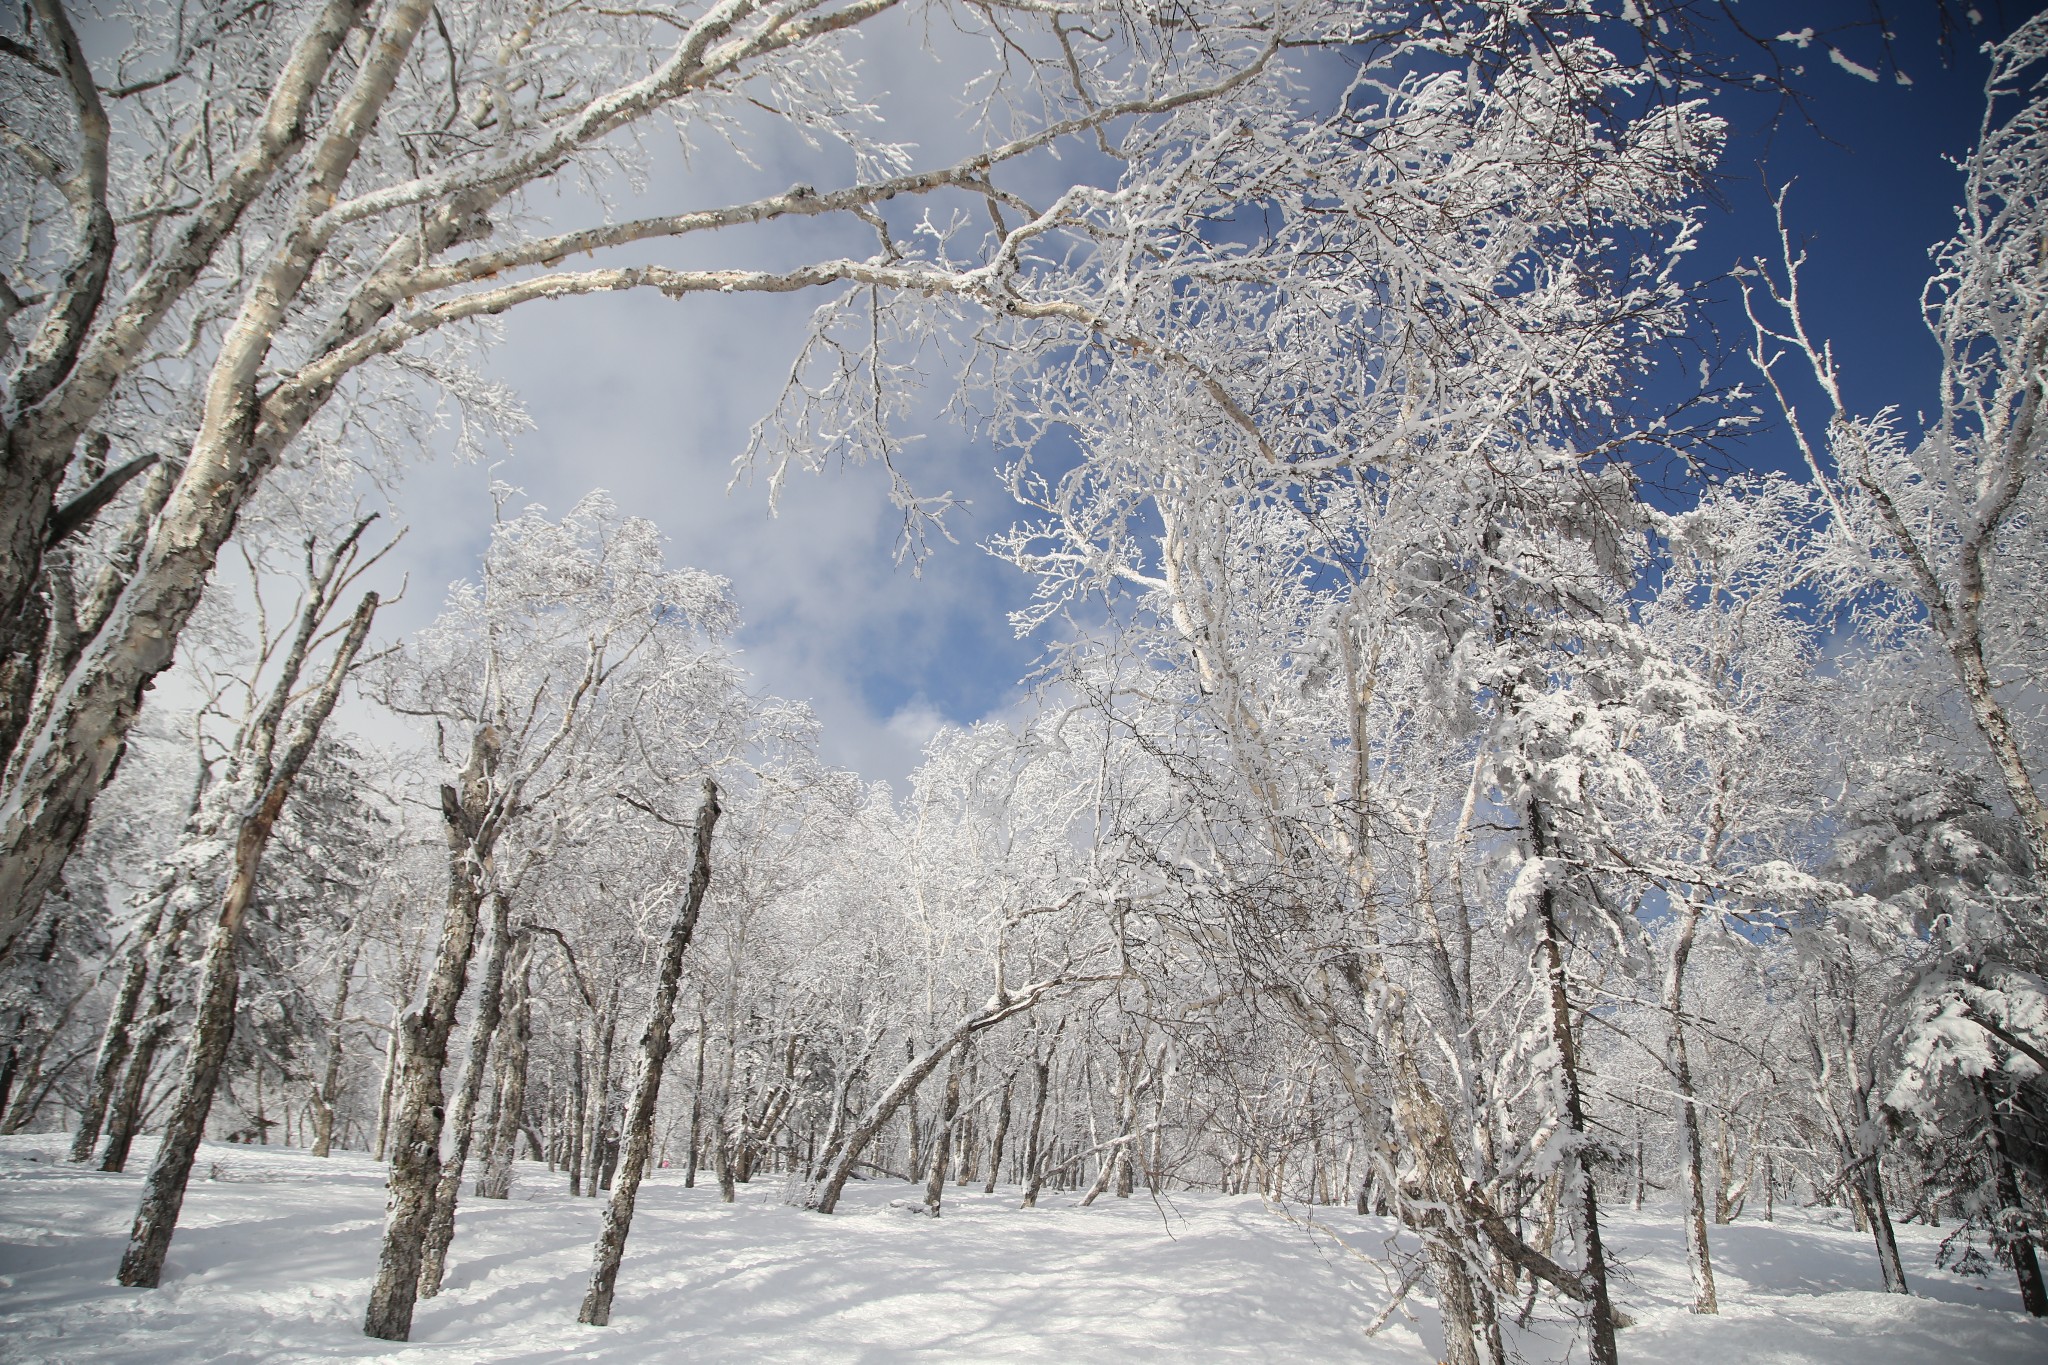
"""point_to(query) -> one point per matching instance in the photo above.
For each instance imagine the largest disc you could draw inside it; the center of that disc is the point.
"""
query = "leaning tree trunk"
(163, 1190)
(124, 1115)
(243, 431)
(654, 1044)
(823, 1197)
(1868, 1186)
(423, 1036)
(482, 1030)
(117, 1040)
(1877, 1211)
(1117, 1151)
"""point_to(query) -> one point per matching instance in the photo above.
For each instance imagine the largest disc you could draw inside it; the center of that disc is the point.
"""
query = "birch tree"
(285, 256)
(261, 784)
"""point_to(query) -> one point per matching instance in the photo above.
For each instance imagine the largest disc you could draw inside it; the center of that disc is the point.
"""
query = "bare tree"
(654, 1046)
(268, 780)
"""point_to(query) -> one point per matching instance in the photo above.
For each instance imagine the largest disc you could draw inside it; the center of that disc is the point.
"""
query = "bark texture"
(596, 1310)
(469, 816)
(483, 1030)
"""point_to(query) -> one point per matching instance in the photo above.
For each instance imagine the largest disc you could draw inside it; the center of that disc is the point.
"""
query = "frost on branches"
(1422, 815)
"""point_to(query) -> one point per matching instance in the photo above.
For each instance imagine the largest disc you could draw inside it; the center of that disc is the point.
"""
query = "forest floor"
(274, 1254)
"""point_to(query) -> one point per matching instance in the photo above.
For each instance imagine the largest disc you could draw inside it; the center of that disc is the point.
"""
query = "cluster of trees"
(1427, 812)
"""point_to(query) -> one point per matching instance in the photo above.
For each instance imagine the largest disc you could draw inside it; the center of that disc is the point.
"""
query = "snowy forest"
(1521, 761)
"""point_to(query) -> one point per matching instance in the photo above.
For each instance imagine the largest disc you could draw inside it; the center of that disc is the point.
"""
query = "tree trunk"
(1600, 1309)
(654, 1044)
(325, 1097)
(213, 1027)
(824, 1197)
(2010, 1232)
(578, 1104)
(424, 1034)
(942, 1141)
(124, 1117)
(1868, 1185)
(1877, 1211)
(483, 1029)
(696, 1106)
(242, 432)
(125, 1114)
(1002, 1133)
(387, 1093)
(517, 1028)
(1693, 1179)
(117, 1040)
(1033, 1158)
(595, 1135)
(721, 1165)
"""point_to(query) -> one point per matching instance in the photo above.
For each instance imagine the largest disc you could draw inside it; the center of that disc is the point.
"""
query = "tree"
(1939, 546)
(1949, 516)
(576, 646)
(257, 788)
(654, 1046)
(346, 225)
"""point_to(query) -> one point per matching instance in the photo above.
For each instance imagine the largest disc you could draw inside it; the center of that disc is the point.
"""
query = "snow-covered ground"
(273, 1259)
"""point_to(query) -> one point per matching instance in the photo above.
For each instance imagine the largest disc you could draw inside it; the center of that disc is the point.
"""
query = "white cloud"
(653, 399)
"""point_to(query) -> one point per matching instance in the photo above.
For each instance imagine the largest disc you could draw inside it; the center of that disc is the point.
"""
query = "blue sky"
(1870, 187)
(653, 399)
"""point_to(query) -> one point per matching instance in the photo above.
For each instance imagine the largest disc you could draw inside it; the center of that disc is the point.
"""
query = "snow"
(1853, 68)
(273, 1259)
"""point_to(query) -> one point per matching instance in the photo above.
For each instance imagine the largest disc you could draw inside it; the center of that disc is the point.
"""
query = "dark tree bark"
(495, 1181)
(483, 1029)
(578, 1104)
(654, 1045)
(1034, 1159)
(1002, 1133)
(1601, 1349)
(942, 1141)
(697, 1105)
(423, 1039)
(2016, 1244)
